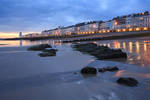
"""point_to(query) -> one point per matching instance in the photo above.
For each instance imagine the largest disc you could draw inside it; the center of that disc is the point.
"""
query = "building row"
(132, 22)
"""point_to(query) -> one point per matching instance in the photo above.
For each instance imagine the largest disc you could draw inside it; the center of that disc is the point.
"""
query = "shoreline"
(88, 37)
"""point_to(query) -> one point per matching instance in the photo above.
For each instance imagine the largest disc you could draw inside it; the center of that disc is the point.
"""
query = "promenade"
(107, 36)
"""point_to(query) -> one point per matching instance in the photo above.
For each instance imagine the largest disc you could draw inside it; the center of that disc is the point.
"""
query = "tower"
(20, 35)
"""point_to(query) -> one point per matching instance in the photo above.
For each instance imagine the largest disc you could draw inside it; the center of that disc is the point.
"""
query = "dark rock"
(127, 81)
(47, 54)
(89, 70)
(75, 73)
(50, 50)
(100, 52)
(110, 69)
(102, 70)
(39, 47)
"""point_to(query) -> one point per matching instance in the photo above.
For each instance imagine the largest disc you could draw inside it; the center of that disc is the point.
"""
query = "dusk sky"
(38, 15)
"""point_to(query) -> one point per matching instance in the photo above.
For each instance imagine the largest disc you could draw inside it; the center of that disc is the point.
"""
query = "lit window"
(78, 28)
(141, 18)
(143, 13)
(94, 26)
(116, 23)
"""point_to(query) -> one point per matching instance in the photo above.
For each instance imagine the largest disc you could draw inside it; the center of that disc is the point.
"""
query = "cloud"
(37, 15)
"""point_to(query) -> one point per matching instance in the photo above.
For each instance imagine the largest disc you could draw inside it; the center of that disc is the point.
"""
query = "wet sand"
(26, 76)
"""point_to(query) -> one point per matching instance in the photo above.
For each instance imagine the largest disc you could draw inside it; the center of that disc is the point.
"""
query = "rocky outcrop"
(50, 50)
(100, 52)
(47, 54)
(45, 48)
(127, 81)
(39, 47)
(89, 70)
(92, 70)
(110, 69)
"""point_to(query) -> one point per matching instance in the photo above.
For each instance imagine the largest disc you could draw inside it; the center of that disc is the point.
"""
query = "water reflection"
(124, 73)
(138, 50)
(137, 47)
(20, 43)
(124, 45)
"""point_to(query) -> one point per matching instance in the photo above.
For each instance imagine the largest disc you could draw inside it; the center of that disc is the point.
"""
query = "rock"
(102, 70)
(39, 47)
(45, 48)
(89, 70)
(50, 50)
(100, 52)
(47, 54)
(127, 81)
(110, 69)
(75, 73)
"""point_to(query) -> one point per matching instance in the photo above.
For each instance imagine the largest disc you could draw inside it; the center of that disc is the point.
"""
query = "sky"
(37, 15)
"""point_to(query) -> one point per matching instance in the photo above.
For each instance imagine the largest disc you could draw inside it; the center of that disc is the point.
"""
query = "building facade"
(132, 22)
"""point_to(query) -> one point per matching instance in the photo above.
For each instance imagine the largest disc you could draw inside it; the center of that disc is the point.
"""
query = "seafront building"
(132, 22)
(32, 35)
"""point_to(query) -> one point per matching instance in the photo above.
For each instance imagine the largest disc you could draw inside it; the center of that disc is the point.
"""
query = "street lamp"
(145, 28)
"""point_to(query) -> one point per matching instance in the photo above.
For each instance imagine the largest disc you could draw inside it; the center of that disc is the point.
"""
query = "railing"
(117, 30)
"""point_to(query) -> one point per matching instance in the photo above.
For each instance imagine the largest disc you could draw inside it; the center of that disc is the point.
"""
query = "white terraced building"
(132, 22)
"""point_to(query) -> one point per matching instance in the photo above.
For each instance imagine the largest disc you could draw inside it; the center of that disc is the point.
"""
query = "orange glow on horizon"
(8, 35)
(12, 34)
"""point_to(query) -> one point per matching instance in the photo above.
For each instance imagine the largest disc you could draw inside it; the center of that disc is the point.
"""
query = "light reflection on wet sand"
(20, 43)
(125, 73)
(138, 50)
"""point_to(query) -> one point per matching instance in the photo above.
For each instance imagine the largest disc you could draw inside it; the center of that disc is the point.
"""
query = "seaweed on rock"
(100, 52)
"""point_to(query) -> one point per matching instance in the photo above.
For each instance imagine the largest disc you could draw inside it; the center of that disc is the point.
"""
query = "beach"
(26, 76)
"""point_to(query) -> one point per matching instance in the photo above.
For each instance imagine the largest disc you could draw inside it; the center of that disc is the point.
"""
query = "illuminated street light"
(108, 30)
(124, 30)
(130, 29)
(118, 30)
(137, 29)
(104, 31)
(145, 28)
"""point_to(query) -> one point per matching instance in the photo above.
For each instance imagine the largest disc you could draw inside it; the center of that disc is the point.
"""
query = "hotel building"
(132, 22)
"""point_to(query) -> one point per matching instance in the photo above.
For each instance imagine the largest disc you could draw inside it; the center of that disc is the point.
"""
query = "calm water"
(138, 49)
